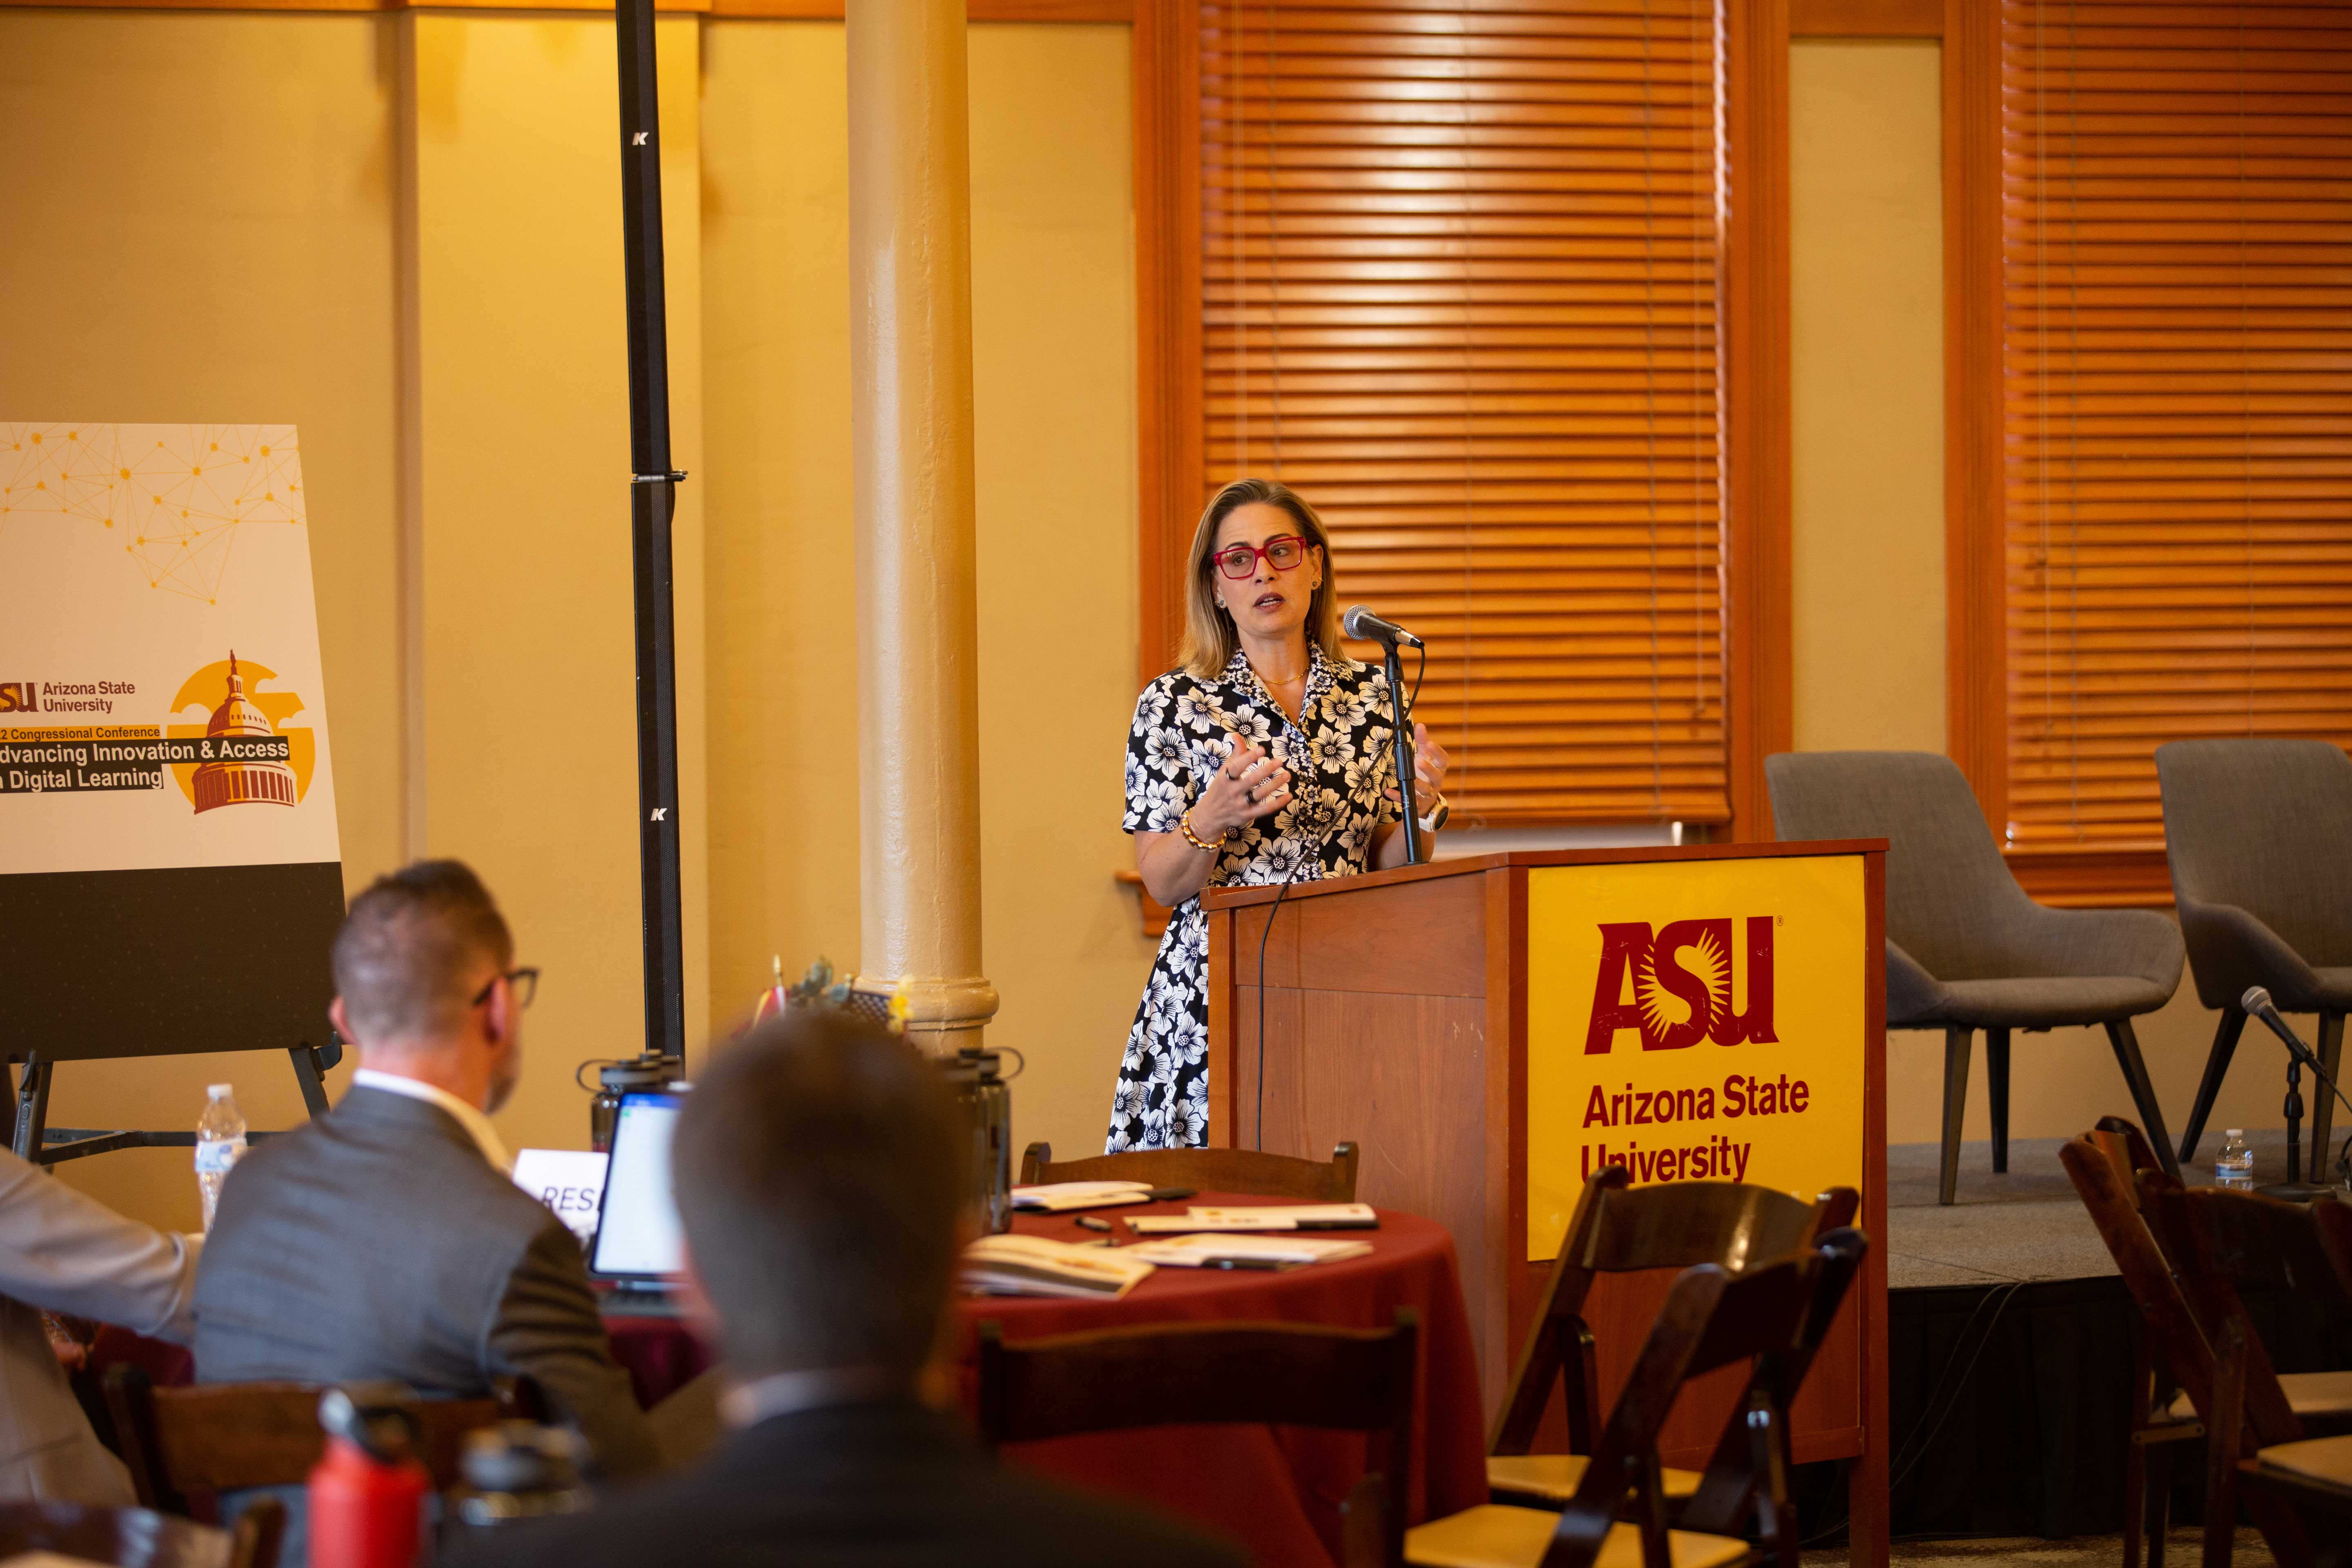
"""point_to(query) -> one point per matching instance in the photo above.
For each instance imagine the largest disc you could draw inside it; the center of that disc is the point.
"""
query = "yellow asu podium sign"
(1692, 1021)
(1489, 1030)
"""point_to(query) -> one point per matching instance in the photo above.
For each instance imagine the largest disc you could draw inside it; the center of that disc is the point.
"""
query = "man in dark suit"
(819, 1179)
(386, 1239)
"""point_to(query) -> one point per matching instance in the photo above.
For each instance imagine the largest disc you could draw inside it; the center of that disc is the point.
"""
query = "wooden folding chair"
(1777, 1312)
(139, 1537)
(2315, 1476)
(228, 1437)
(1181, 1374)
(2220, 1243)
(2162, 1414)
(1206, 1170)
(2130, 1222)
(1618, 1229)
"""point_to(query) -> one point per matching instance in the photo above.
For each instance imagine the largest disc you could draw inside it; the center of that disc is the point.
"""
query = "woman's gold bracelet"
(1184, 826)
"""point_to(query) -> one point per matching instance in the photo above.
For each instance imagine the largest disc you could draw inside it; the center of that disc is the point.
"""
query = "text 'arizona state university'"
(1677, 985)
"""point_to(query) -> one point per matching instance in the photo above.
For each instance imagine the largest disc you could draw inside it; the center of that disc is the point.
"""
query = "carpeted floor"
(2182, 1549)
(2026, 1224)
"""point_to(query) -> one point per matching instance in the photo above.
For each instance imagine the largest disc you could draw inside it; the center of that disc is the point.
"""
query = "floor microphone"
(2257, 1001)
(1361, 622)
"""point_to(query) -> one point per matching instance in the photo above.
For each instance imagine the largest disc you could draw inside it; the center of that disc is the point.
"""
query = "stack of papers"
(1243, 1251)
(1296, 1216)
(1058, 1197)
(1033, 1266)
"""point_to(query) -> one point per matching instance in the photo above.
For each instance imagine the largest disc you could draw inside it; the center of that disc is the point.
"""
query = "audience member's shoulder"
(439, 1171)
(1038, 1525)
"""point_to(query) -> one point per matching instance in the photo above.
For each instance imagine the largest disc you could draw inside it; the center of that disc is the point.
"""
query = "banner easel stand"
(32, 1137)
(168, 961)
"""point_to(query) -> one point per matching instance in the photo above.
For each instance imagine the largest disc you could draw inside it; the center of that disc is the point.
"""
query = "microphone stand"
(653, 501)
(2294, 1186)
(1402, 740)
(2298, 1054)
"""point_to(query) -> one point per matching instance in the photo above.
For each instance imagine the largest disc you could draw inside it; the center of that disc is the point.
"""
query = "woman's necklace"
(1279, 689)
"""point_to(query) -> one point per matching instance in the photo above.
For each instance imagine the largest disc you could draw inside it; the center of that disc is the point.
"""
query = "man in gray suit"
(63, 1252)
(386, 1239)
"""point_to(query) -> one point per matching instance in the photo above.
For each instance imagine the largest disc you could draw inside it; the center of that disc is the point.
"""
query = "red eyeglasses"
(1282, 552)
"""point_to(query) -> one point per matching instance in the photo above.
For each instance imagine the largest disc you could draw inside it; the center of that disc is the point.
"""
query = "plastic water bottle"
(220, 1142)
(2234, 1165)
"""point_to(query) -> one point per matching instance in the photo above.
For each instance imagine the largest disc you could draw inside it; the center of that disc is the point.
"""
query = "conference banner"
(1694, 1021)
(160, 698)
(167, 784)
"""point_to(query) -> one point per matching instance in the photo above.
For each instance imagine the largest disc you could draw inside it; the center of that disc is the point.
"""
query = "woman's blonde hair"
(1209, 635)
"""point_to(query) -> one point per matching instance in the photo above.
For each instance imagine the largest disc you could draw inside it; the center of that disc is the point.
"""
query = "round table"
(1277, 1491)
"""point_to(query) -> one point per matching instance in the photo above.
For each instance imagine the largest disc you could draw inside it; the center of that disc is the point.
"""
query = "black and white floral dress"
(1340, 756)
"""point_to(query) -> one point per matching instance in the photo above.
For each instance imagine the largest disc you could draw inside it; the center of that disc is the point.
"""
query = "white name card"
(568, 1181)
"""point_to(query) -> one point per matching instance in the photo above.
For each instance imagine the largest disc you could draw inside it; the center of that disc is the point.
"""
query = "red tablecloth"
(1277, 1491)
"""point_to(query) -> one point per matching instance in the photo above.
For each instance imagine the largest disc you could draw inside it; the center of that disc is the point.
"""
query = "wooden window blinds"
(2176, 252)
(1459, 288)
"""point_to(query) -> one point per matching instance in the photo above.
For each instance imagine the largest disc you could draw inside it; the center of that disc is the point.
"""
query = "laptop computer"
(638, 1249)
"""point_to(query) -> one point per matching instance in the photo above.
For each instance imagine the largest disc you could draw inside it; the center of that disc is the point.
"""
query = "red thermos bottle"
(367, 1491)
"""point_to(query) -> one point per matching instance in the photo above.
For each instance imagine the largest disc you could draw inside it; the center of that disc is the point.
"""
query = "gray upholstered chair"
(2260, 836)
(1966, 949)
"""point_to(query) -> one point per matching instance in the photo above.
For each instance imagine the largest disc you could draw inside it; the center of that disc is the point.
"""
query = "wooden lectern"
(1491, 1029)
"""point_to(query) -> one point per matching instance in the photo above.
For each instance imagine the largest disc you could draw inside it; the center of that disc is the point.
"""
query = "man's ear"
(498, 1014)
(343, 1025)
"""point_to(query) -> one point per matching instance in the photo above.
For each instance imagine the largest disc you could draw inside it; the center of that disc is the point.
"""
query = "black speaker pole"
(653, 497)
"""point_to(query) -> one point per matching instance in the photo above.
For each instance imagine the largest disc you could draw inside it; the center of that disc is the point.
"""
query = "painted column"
(910, 428)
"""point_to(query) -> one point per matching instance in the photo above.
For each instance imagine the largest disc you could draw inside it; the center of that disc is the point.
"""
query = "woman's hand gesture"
(1429, 764)
(1250, 784)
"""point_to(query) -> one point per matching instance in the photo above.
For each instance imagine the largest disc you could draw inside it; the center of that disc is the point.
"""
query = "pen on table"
(1268, 1263)
(1088, 1222)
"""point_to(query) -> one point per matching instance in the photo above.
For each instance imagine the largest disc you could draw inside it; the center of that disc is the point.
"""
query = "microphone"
(2257, 1001)
(1359, 622)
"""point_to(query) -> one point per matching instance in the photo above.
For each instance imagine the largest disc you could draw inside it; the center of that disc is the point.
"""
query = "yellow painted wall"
(520, 467)
(1867, 539)
(1866, 394)
(1055, 386)
(196, 223)
(782, 636)
(1053, 379)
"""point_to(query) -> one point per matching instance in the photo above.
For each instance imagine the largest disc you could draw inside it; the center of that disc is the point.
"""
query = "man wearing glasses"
(386, 1239)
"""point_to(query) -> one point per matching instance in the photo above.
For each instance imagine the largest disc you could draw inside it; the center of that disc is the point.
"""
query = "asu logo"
(1675, 985)
(20, 697)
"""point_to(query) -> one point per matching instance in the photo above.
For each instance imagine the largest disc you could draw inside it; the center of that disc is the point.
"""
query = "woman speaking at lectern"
(1266, 751)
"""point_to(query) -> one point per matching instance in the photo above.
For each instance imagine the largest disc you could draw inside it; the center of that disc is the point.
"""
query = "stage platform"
(2009, 1340)
(2024, 1224)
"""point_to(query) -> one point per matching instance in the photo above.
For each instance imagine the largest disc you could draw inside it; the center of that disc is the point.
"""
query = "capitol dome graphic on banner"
(241, 782)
